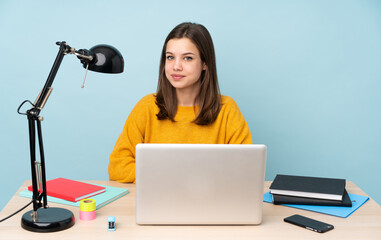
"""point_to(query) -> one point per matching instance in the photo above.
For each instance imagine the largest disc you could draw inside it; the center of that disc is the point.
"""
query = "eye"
(170, 57)
(188, 58)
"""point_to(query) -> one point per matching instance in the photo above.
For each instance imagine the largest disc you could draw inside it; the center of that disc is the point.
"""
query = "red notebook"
(70, 190)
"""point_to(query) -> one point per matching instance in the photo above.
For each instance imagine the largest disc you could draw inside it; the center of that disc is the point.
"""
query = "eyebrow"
(187, 53)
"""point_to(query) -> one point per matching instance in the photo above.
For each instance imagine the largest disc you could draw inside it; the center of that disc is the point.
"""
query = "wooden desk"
(365, 223)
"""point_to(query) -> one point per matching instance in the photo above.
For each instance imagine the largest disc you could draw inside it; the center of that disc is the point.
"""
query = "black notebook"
(283, 199)
(309, 187)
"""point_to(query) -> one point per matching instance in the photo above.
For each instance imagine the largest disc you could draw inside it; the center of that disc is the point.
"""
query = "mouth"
(177, 76)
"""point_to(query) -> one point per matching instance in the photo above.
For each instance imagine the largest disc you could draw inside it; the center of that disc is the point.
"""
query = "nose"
(177, 66)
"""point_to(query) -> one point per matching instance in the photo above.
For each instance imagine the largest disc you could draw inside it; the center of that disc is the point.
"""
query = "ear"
(204, 67)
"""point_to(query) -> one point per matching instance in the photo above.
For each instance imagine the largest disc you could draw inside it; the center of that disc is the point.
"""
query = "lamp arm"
(45, 92)
(38, 168)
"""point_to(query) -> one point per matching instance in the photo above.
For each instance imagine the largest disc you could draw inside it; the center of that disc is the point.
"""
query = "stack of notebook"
(70, 192)
(288, 189)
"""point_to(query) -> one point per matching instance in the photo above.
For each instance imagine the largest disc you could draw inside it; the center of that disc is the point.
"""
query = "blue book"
(357, 201)
(111, 194)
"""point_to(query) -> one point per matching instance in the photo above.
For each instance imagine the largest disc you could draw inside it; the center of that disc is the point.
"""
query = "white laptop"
(199, 184)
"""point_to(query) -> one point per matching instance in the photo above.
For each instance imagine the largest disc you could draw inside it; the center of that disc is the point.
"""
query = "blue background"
(306, 75)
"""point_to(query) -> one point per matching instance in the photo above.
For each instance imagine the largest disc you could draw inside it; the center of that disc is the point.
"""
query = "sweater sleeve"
(238, 131)
(121, 166)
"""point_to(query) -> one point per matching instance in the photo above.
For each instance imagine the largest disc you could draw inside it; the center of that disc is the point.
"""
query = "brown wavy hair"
(209, 98)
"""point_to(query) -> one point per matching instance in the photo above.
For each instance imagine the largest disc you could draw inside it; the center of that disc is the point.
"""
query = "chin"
(177, 85)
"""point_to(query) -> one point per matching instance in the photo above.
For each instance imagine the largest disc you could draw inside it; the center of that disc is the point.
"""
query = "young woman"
(187, 107)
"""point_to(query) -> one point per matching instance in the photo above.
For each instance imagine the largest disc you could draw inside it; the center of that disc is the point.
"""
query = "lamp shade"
(107, 59)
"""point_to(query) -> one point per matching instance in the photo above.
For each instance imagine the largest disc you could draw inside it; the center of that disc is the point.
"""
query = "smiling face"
(183, 66)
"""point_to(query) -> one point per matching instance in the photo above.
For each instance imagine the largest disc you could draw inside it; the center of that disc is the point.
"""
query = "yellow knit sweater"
(142, 126)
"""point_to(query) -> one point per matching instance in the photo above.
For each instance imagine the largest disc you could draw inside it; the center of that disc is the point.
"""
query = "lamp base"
(49, 220)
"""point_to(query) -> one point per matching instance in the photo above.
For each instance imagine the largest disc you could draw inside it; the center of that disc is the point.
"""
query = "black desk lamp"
(100, 58)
